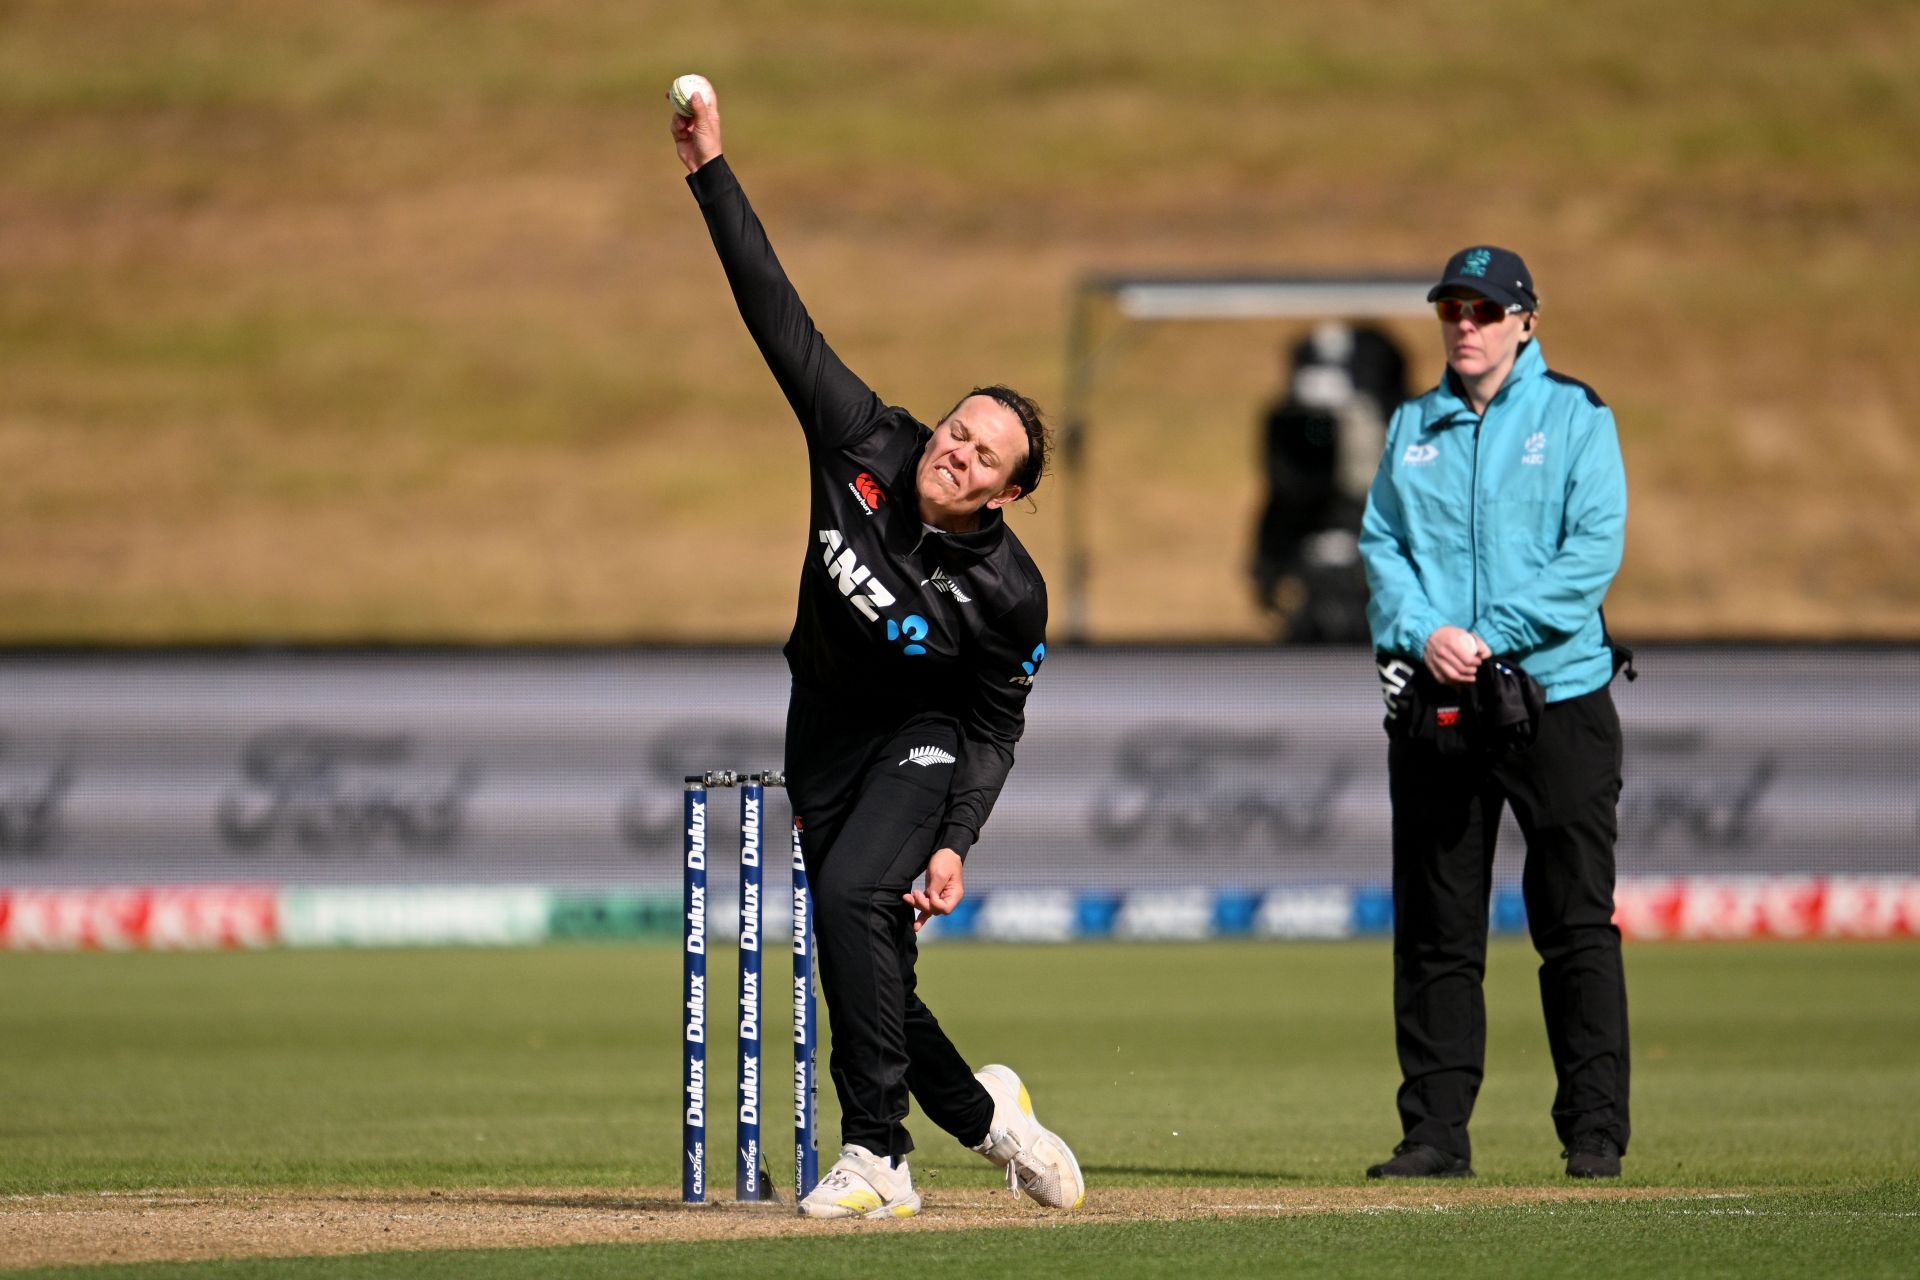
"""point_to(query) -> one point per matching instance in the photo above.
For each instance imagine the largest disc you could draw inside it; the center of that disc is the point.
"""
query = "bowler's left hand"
(944, 888)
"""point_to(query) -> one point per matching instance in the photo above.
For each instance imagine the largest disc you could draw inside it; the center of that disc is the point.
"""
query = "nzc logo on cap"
(1478, 260)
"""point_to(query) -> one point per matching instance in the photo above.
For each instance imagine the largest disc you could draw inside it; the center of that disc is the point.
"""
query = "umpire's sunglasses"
(1483, 311)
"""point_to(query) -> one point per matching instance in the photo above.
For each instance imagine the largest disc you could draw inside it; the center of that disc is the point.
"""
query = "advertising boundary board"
(210, 917)
(1180, 778)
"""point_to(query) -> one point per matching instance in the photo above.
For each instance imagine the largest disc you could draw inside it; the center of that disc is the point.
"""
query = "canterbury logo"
(868, 490)
(925, 756)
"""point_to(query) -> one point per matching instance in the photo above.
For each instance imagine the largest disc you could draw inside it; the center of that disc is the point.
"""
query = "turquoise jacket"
(1510, 525)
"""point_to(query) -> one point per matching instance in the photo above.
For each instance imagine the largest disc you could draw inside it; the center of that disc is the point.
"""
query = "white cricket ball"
(685, 90)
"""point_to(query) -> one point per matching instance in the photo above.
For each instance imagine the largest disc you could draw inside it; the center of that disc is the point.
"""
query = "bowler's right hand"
(697, 139)
(946, 885)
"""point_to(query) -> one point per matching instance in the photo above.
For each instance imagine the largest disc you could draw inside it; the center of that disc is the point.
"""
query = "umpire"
(1492, 530)
(920, 626)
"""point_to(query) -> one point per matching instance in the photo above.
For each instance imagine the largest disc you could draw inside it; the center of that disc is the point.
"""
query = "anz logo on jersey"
(864, 592)
(913, 631)
(855, 580)
(1031, 667)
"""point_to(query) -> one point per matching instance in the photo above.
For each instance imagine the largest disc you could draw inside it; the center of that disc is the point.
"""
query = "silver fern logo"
(941, 582)
(925, 756)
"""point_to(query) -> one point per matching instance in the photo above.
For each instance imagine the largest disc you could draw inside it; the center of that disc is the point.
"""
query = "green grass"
(1754, 1065)
(1783, 1074)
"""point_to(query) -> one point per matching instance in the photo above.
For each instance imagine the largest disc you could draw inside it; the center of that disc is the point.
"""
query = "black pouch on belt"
(1507, 703)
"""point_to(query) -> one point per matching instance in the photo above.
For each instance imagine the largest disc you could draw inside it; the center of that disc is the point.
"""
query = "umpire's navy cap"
(1492, 272)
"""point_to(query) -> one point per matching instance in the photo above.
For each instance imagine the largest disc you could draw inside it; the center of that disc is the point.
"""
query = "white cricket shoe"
(863, 1185)
(1037, 1161)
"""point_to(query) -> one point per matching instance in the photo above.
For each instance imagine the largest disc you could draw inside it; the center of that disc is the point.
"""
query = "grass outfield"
(1780, 1075)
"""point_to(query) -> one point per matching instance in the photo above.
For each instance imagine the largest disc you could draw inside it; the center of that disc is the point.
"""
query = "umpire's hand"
(1453, 654)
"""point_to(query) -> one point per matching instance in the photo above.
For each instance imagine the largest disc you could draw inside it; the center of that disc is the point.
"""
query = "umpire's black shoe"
(1592, 1155)
(1418, 1160)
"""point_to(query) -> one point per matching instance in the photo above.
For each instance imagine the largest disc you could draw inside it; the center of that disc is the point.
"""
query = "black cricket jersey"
(895, 620)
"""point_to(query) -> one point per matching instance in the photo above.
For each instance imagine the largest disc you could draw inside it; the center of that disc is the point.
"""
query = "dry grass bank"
(380, 320)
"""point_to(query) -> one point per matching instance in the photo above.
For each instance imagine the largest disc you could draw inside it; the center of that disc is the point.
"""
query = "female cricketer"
(921, 623)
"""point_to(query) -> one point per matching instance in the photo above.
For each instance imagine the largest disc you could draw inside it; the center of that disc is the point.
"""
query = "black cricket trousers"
(1564, 790)
(869, 812)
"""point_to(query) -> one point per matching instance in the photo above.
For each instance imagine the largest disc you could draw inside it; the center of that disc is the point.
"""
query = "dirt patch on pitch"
(154, 1226)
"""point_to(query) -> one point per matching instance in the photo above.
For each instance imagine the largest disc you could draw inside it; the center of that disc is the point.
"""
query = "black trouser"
(869, 816)
(1564, 790)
